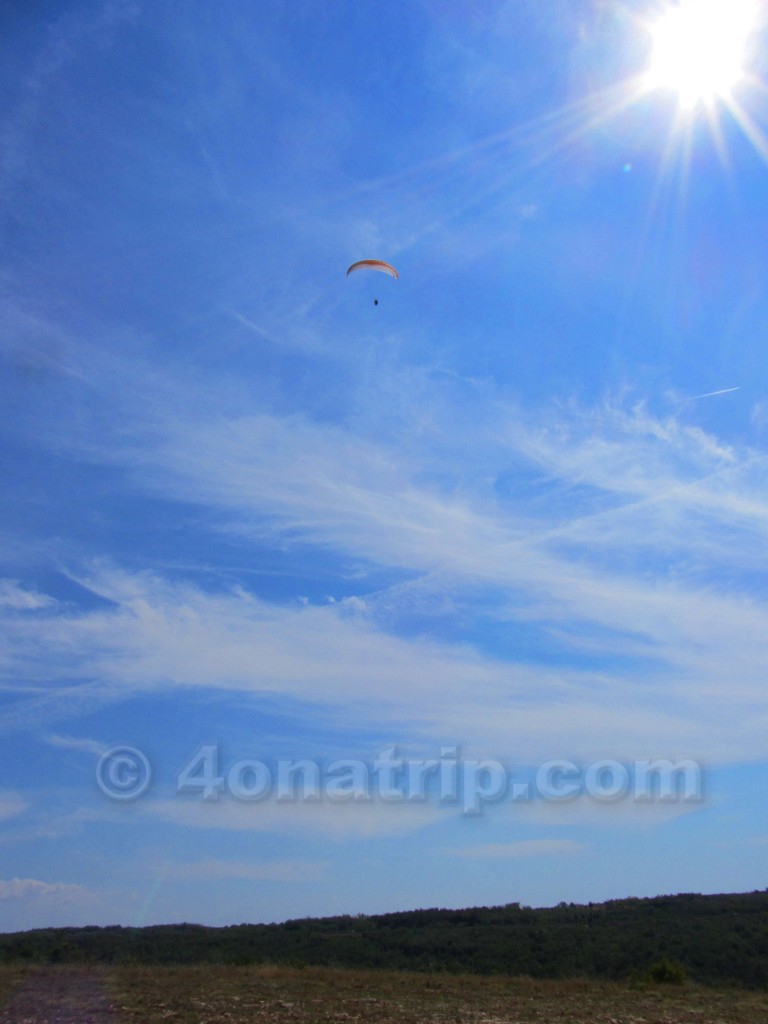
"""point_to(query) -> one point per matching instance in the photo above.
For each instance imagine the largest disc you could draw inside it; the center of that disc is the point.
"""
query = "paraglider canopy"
(385, 268)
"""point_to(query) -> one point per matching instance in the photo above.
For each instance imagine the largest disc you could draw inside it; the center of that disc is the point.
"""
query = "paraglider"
(385, 268)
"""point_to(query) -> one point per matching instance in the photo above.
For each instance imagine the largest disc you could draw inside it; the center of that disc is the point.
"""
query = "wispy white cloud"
(613, 534)
(353, 531)
(66, 37)
(521, 848)
(39, 903)
(11, 804)
(618, 538)
(599, 816)
(288, 870)
(14, 596)
(340, 822)
(33, 888)
(162, 635)
(82, 744)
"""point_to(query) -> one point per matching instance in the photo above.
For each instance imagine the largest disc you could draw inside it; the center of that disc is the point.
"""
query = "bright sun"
(699, 49)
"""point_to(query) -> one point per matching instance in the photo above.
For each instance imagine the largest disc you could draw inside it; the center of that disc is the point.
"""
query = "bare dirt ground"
(59, 996)
(283, 995)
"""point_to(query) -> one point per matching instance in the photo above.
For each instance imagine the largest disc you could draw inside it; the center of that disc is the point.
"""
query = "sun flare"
(700, 49)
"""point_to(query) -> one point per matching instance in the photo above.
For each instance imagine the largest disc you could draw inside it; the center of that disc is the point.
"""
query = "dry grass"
(284, 995)
(10, 979)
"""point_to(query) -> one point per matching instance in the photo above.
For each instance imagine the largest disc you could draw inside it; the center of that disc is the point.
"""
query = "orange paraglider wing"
(385, 268)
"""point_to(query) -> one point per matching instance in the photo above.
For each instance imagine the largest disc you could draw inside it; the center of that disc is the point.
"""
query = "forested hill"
(720, 939)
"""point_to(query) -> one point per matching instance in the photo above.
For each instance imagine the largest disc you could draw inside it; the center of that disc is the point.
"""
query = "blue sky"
(513, 514)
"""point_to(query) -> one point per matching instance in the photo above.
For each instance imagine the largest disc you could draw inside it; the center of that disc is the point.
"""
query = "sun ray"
(700, 55)
(715, 124)
(482, 172)
(749, 127)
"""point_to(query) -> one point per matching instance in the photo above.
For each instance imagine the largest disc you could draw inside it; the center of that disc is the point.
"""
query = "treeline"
(717, 940)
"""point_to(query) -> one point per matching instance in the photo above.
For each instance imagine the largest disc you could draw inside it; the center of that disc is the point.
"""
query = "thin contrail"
(709, 394)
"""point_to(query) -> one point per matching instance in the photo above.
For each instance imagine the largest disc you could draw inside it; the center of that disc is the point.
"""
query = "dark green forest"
(717, 940)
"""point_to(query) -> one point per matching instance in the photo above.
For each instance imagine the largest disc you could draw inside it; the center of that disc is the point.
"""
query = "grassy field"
(10, 979)
(268, 995)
